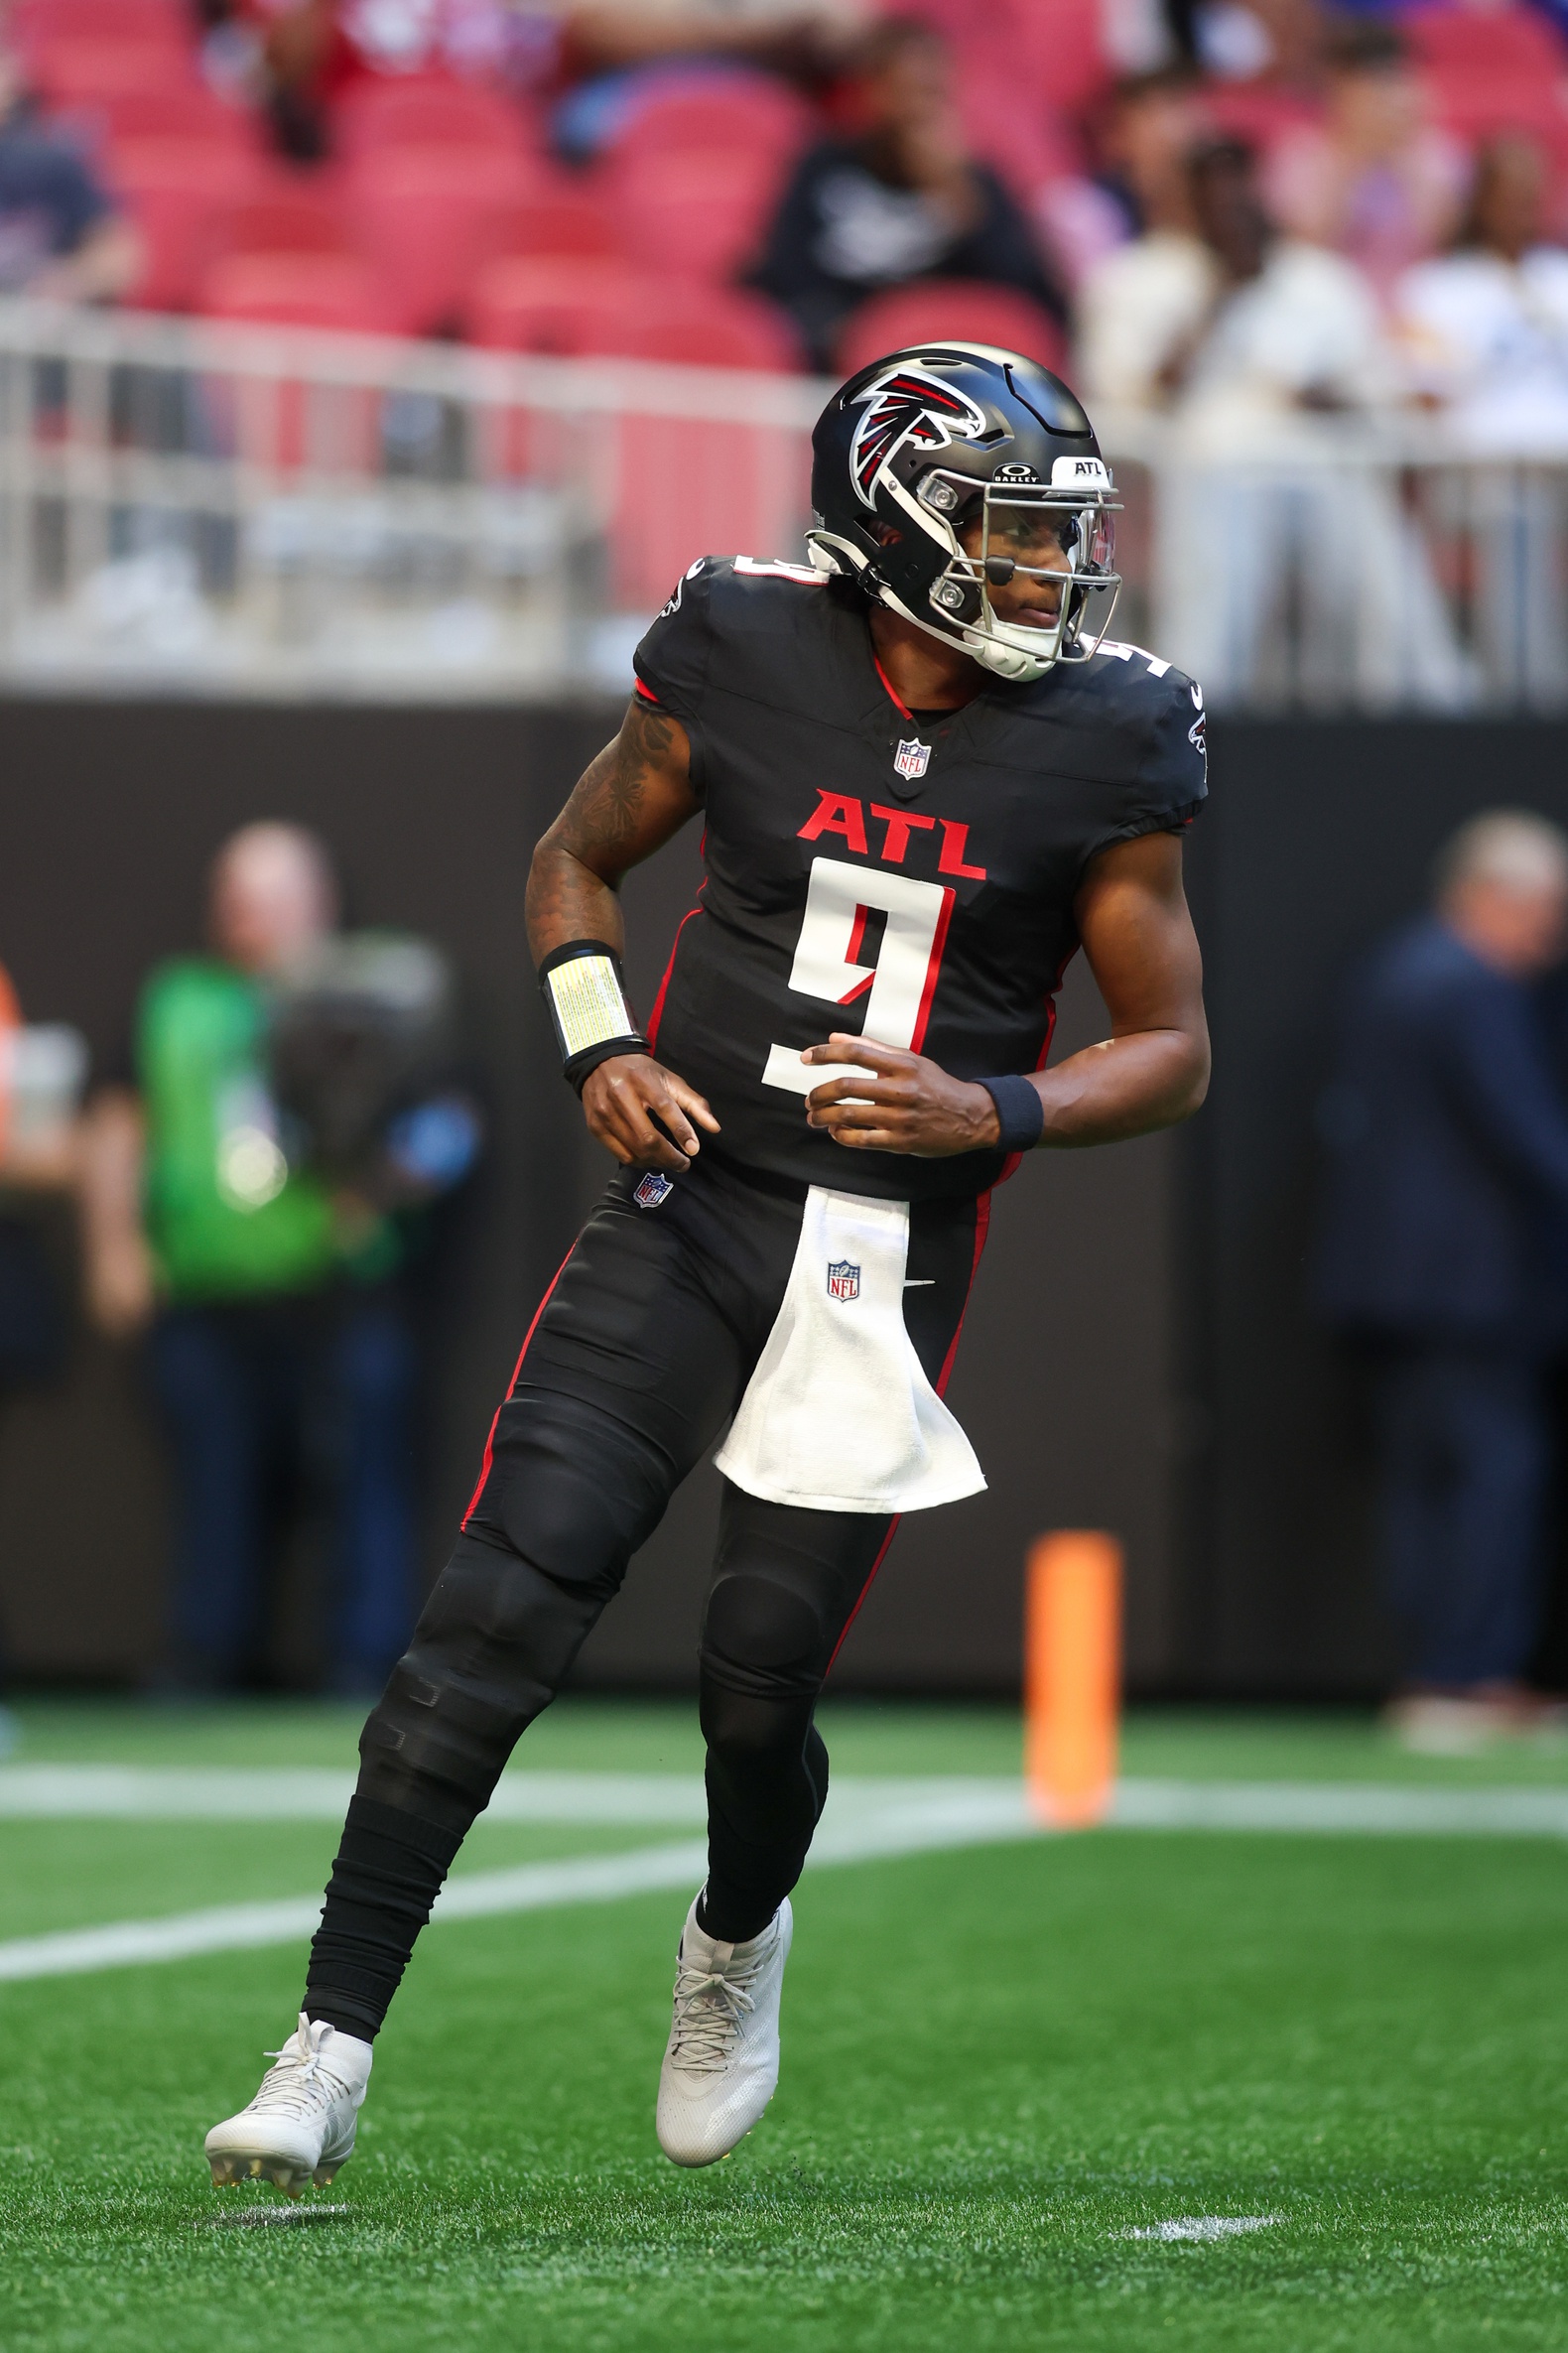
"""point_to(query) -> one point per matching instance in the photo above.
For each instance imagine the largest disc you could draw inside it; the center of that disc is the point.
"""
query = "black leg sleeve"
(786, 1585)
(389, 1871)
(506, 1619)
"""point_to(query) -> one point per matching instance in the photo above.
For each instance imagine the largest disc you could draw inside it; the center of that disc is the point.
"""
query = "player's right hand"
(623, 1097)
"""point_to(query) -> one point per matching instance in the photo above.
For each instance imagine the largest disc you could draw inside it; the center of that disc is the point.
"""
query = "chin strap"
(834, 555)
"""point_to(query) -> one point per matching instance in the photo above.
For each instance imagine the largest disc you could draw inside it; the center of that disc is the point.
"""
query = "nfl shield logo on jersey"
(653, 1189)
(844, 1280)
(912, 758)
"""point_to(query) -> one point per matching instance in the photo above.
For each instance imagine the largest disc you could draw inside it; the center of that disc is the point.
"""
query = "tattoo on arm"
(606, 809)
(626, 804)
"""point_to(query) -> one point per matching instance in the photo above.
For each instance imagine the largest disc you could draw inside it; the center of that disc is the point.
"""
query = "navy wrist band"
(1019, 1111)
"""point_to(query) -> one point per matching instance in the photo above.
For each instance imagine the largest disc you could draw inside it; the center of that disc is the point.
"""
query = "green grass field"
(1000, 2062)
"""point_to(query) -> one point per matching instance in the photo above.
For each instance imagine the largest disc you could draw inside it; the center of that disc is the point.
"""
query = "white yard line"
(866, 1819)
(157, 1793)
(530, 1886)
(163, 1793)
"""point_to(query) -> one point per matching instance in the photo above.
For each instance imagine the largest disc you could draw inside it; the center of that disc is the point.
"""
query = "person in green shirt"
(280, 1349)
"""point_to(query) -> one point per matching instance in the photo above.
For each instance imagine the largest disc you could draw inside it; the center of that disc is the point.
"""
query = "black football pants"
(632, 1369)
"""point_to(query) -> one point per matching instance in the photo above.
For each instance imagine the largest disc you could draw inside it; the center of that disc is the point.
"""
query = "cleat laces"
(300, 2084)
(709, 2008)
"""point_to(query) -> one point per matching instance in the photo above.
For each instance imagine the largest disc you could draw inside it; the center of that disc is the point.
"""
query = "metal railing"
(188, 508)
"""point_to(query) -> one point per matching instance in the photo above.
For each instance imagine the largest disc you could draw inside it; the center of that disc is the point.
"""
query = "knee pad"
(766, 1634)
(490, 1652)
(571, 1490)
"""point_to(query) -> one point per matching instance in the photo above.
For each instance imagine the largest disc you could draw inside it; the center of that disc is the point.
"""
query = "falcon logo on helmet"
(962, 486)
(905, 406)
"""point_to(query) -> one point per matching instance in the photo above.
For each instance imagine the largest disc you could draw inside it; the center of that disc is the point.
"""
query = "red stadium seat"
(549, 302)
(729, 110)
(964, 310)
(1499, 70)
(1054, 50)
(558, 223)
(422, 214)
(426, 113)
(700, 326)
(700, 212)
(80, 74)
(177, 190)
(279, 218)
(1479, 106)
(300, 288)
(189, 114)
(1491, 43)
(610, 309)
(99, 20)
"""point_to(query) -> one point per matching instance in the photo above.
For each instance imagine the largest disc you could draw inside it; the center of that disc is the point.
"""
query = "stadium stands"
(442, 208)
(949, 307)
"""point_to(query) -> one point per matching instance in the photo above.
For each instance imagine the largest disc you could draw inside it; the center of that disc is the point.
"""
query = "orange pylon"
(1072, 1675)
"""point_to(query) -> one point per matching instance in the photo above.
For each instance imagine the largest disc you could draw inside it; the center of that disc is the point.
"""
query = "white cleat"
(300, 2128)
(722, 2064)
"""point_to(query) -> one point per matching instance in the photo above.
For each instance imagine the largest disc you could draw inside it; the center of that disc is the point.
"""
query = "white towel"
(838, 1415)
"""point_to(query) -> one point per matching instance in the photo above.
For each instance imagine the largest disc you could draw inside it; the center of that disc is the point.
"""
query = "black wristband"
(584, 993)
(1020, 1112)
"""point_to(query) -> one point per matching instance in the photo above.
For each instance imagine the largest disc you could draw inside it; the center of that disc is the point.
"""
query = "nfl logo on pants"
(912, 758)
(844, 1280)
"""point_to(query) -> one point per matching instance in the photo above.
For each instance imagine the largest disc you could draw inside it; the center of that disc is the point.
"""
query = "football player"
(925, 782)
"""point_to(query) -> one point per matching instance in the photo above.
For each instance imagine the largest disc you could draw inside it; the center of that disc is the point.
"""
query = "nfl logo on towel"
(912, 758)
(844, 1280)
(653, 1189)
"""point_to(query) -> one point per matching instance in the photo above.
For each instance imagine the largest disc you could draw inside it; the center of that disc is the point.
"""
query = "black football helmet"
(929, 442)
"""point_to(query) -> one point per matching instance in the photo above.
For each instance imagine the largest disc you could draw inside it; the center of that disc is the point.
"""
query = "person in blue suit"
(1444, 1249)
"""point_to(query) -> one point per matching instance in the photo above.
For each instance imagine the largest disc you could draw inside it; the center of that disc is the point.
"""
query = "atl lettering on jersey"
(915, 887)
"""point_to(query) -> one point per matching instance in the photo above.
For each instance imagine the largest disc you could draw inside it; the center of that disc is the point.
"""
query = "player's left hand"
(904, 1105)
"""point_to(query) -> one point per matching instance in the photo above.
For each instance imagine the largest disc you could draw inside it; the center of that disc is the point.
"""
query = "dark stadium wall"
(1138, 1352)
(108, 816)
(1318, 840)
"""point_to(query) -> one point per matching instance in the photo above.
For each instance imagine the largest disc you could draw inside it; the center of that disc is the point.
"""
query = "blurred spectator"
(60, 237)
(315, 48)
(1245, 41)
(1375, 179)
(1444, 1230)
(1485, 328)
(280, 1348)
(1486, 337)
(900, 199)
(1269, 357)
(614, 56)
(1251, 339)
(1154, 123)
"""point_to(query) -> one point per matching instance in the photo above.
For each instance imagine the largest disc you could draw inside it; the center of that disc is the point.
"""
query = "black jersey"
(909, 880)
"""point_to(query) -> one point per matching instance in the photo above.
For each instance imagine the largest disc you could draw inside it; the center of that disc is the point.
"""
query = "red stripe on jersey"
(933, 966)
(981, 1232)
(893, 695)
(489, 1443)
(647, 695)
(657, 1015)
(882, 1555)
